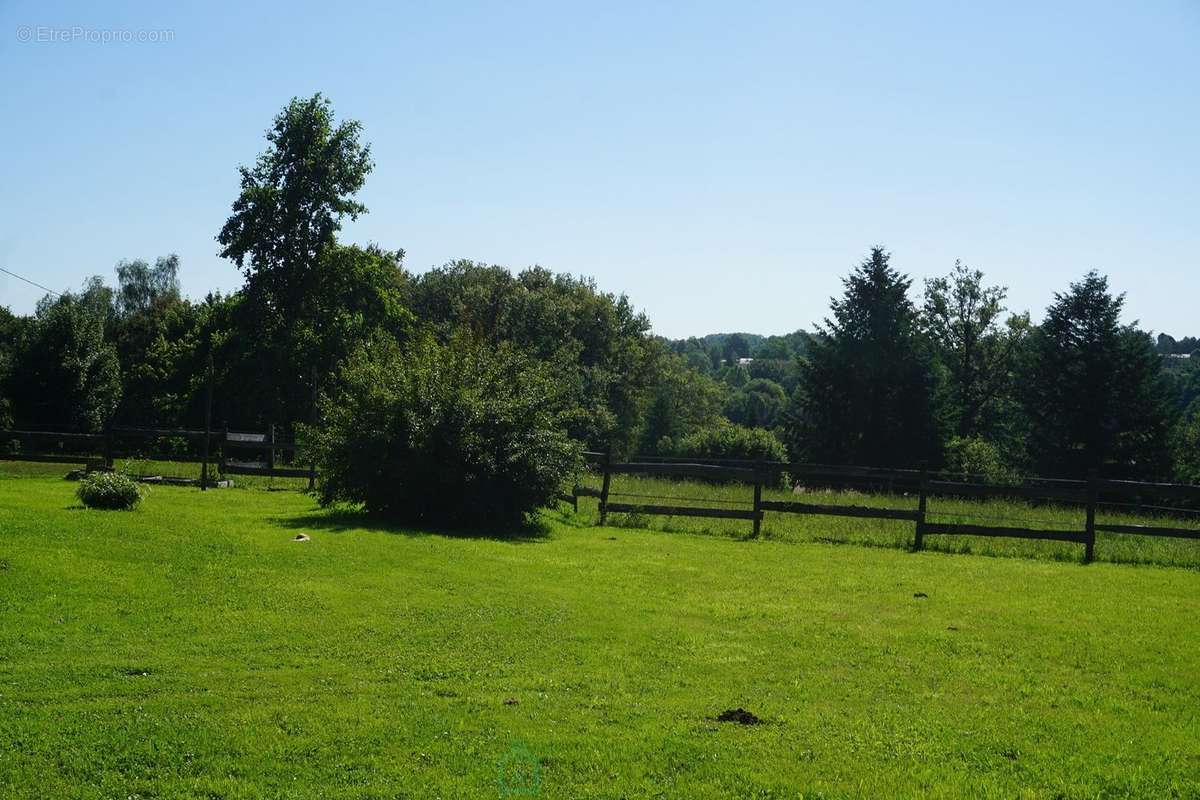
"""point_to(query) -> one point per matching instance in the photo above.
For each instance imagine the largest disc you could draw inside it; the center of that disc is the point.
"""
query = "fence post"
(271, 444)
(207, 428)
(312, 465)
(108, 445)
(224, 449)
(758, 482)
(604, 486)
(575, 497)
(922, 505)
(1090, 531)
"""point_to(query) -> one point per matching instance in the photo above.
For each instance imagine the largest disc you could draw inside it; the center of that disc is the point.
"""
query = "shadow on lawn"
(341, 520)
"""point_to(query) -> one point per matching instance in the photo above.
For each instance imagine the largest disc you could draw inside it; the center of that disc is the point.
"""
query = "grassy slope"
(189, 649)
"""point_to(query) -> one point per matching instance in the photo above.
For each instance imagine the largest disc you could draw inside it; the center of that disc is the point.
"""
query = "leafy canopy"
(596, 343)
(294, 198)
(64, 370)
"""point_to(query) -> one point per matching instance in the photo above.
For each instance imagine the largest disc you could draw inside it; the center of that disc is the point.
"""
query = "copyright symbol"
(24, 33)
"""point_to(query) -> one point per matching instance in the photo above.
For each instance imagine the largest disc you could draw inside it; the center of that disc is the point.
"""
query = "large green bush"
(727, 441)
(111, 491)
(451, 435)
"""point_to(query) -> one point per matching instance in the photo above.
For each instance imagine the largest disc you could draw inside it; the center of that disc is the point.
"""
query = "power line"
(31, 283)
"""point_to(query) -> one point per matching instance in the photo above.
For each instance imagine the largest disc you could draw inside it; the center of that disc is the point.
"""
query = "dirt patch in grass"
(133, 672)
(739, 715)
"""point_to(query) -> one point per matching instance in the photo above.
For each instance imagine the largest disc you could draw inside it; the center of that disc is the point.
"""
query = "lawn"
(192, 649)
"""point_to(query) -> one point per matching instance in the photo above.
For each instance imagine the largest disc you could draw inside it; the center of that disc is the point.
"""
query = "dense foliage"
(109, 491)
(976, 351)
(64, 367)
(454, 434)
(1187, 446)
(595, 343)
(727, 441)
(973, 458)
(758, 403)
(681, 401)
(951, 378)
(1096, 395)
(866, 390)
(307, 301)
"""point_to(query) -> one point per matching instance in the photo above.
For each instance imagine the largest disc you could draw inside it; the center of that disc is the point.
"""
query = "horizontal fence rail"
(930, 528)
(1086, 494)
(992, 490)
(836, 510)
(682, 511)
(1149, 530)
(230, 452)
(704, 471)
(1065, 489)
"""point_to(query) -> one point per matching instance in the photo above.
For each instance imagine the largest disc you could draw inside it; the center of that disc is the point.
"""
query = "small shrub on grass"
(111, 491)
(449, 435)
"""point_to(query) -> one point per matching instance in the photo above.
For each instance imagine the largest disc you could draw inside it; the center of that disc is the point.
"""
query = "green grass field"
(192, 649)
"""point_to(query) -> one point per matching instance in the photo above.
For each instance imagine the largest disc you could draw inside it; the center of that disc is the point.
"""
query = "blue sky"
(723, 164)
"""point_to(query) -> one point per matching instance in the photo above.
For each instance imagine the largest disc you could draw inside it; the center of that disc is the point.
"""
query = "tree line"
(893, 377)
(953, 379)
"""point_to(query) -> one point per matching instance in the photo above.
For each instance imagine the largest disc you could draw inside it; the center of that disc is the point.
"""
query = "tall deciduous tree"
(355, 293)
(12, 329)
(282, 235)
(866, 395)
(64, 371)
(140, 287)
(978, 352)
(293, 200)
(1096, 395)
(157, 338)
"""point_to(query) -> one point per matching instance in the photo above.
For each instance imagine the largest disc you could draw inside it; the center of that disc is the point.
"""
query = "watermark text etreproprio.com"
(48, 34)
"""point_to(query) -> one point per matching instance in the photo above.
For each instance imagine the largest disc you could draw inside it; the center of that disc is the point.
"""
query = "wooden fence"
(98, 450)
(1086, 495)
(253, 453)
(229, 452)
(267, 449)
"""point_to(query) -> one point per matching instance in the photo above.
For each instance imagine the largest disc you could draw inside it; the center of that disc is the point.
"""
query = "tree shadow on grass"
(568, 518)
(342, 520)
